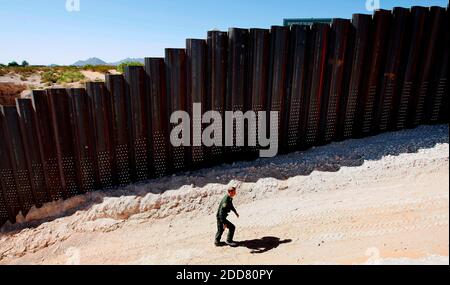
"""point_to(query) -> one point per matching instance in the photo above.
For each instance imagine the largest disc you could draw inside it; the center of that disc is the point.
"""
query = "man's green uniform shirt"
(226, 205)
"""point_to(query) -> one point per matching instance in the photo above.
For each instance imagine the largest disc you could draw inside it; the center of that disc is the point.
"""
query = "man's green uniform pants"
(220, 229)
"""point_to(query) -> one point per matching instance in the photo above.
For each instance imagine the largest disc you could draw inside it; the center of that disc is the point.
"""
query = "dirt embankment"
(9, 92)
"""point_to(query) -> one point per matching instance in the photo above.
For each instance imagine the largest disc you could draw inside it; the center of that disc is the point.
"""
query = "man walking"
(226, 205)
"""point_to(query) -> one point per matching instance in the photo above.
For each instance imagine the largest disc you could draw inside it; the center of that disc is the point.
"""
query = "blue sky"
(44, 32)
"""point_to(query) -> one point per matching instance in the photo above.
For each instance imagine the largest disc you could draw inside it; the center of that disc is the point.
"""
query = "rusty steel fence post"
(196, 93)
(177, 101)
(217, 64)
(121, 128)
(443, 78)
(304, 107)
(377, 56)
(339, 61)
(428, 67)
(7, 176)
(320, 44)
(258, 78)
(387, 103)
(101, 106)
(139, 143)
(415, 52)
(444, 110)
(297, 87)
(443, 117)
(18, 158)
(33, 150)
(157, 95)
(278, 81)
(83, 137)
(60, 109)
(46, 139)
(438, 103)
(238, 46)
(350, 54)
(325, 94)
(362, 25)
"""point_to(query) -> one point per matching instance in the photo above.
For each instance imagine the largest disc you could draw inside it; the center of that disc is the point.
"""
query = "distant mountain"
(90, 61)
(96, 61)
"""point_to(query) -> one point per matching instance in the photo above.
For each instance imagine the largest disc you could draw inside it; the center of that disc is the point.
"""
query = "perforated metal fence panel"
(238, 48)
(33, 150)
(217, 84)
(139, 140)
(362, 25)
(321, 34)
(258, 81)
(339, 63)
(60, 109)
(177, 101)
(101, 106)
(121, 128)
(443, 77)
(277, 82)
(393, 70)
(428, 68)
(4, 215)
(46, 136)
(304, 105)
(377, 56)
(326, 86)
(156, 90)
(84, 140)
(438, 104)
(419, 17)
(18, 159)
(298, 55)
(196, 94)
(7, 177)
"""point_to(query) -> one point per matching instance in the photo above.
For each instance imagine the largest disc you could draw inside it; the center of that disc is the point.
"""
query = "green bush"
(69, 75)
(121, 67)
(50, 76)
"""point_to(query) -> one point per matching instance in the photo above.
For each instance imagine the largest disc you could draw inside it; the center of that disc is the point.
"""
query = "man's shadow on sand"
(262, 245)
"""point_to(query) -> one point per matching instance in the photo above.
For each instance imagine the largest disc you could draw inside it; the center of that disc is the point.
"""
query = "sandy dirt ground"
(378, 200)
